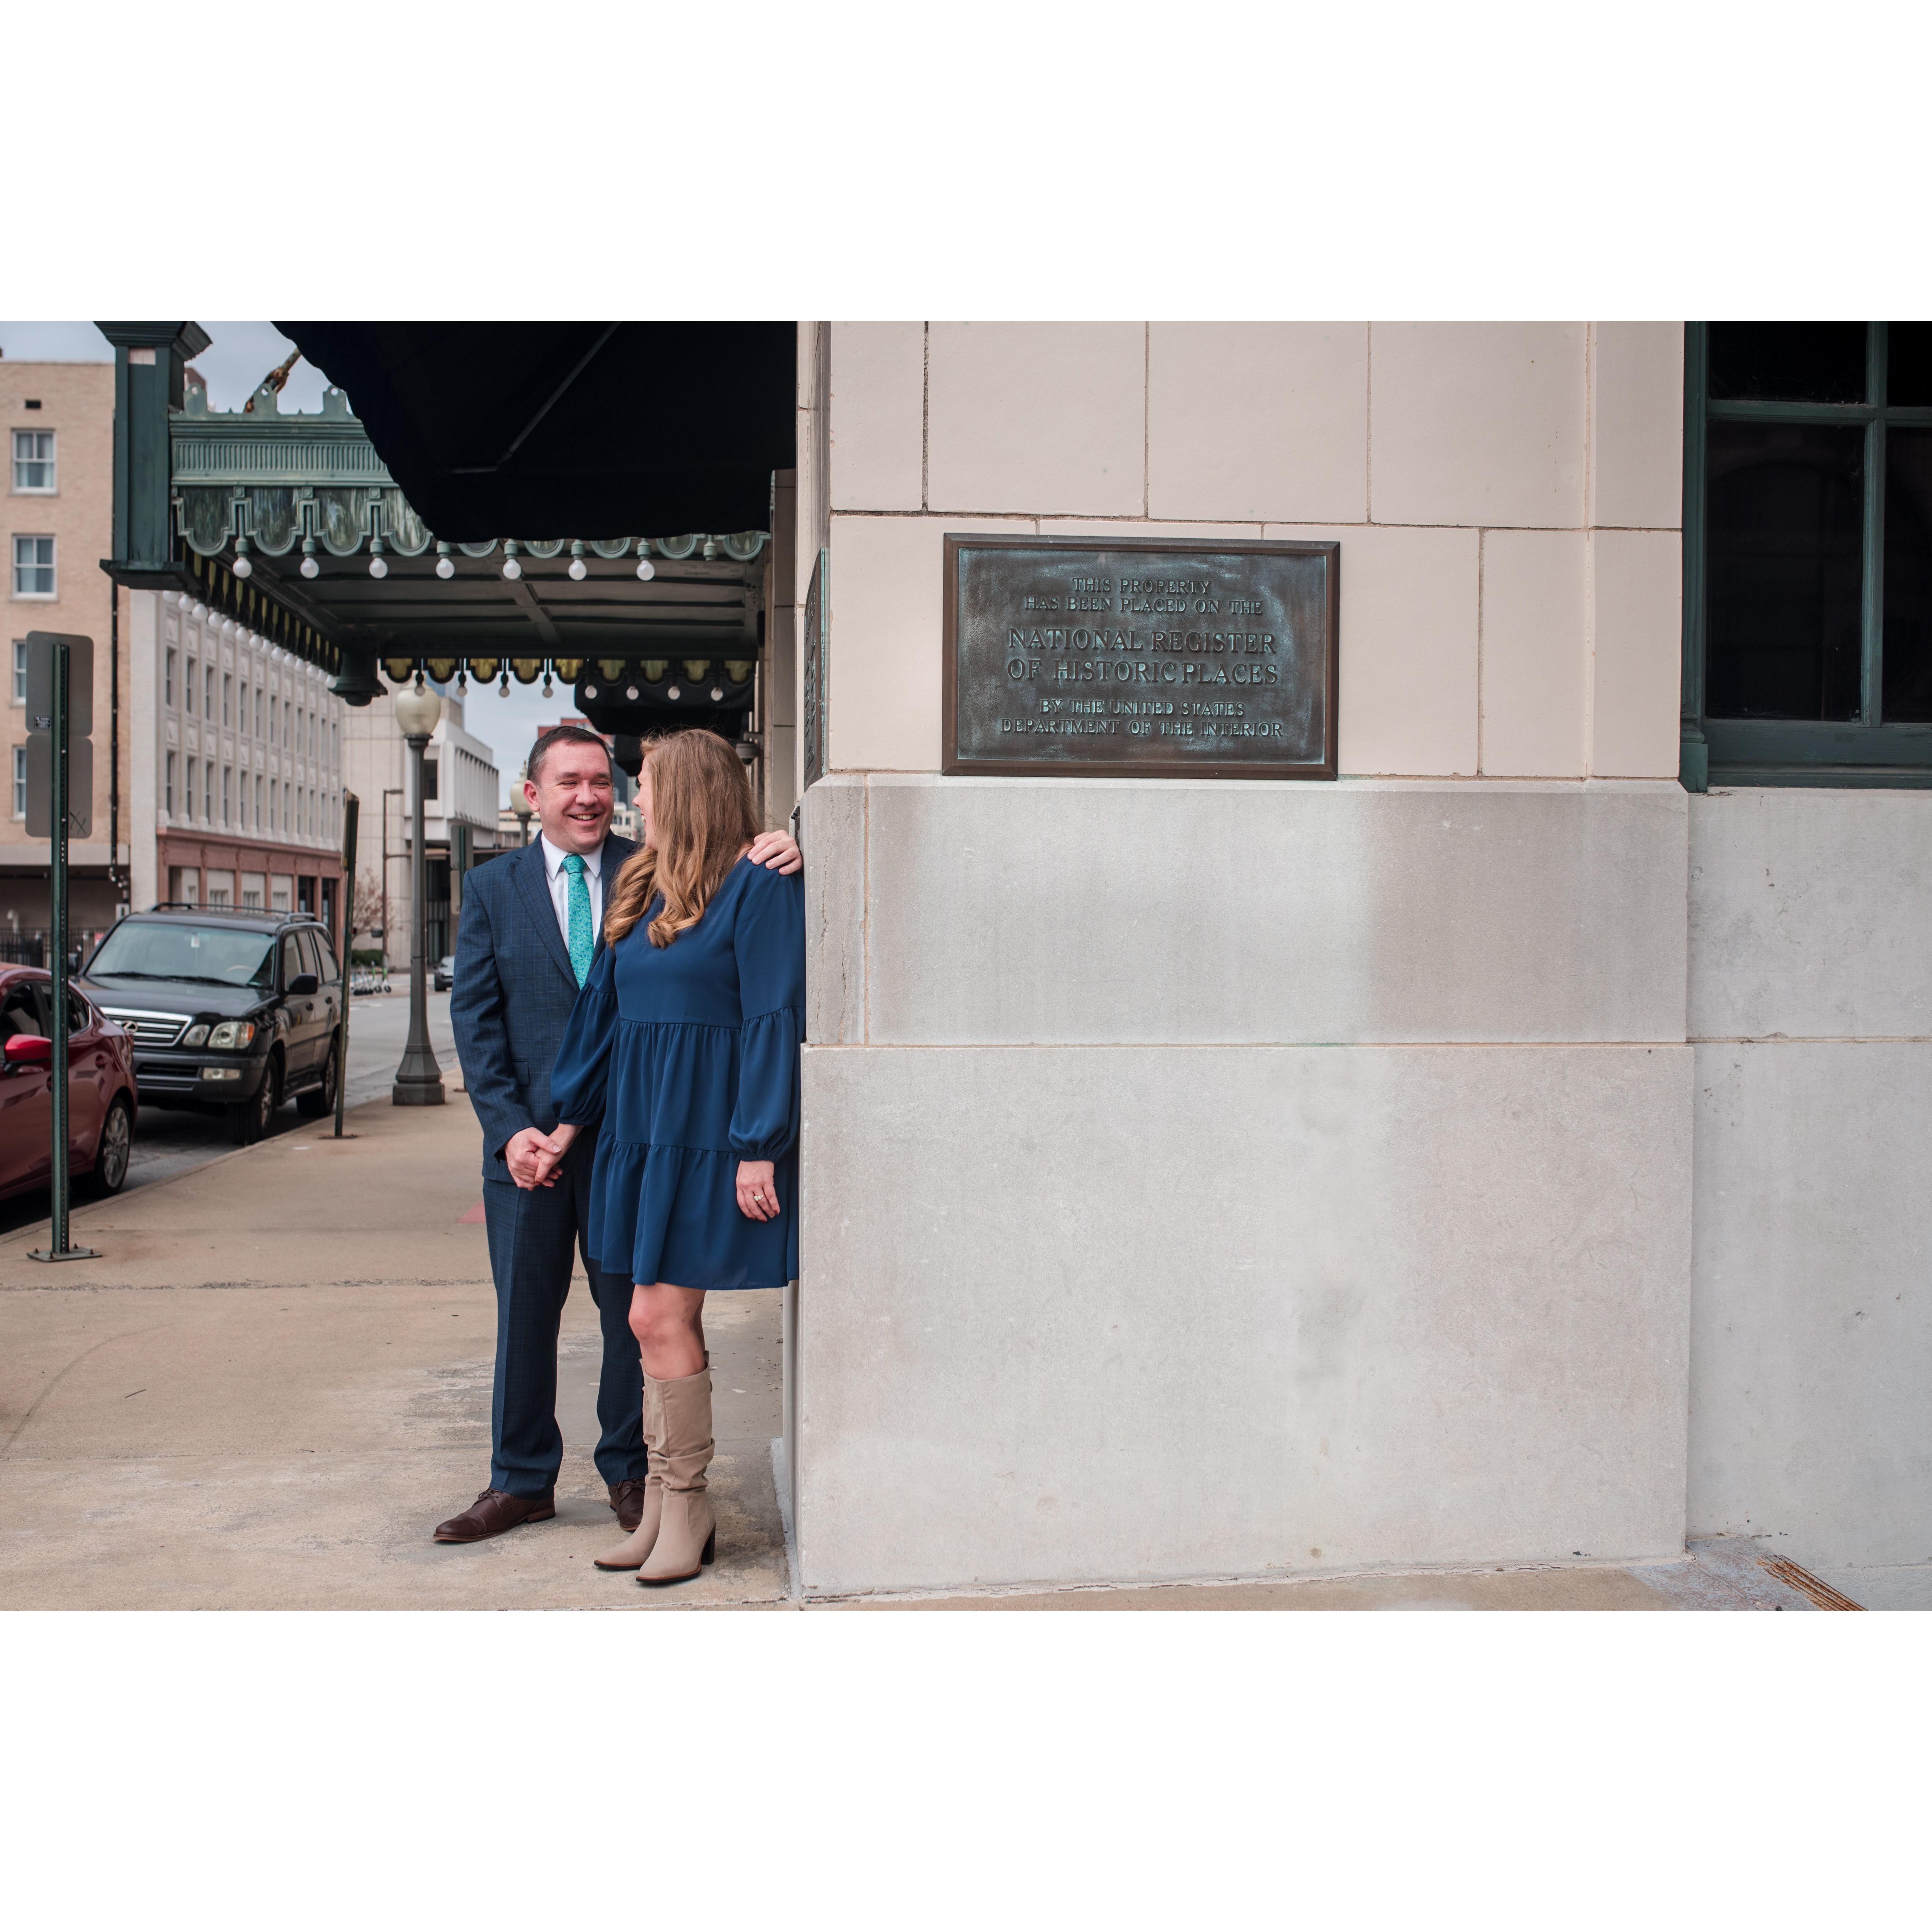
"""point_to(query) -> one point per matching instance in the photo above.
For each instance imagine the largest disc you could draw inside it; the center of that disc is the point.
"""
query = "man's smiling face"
(572, 796)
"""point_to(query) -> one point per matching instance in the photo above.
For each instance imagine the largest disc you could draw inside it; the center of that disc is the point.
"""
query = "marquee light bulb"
(646, 570)
(512, 569)
(579, 570)
(444, 569)
(243, 568)
(310, 568)
(377, 568)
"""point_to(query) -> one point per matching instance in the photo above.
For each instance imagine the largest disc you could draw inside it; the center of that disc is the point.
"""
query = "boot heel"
(710, 1547)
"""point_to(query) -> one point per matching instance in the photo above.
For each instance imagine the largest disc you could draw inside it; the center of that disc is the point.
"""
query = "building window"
(258, 804)
(187, 690)
(168, 675)
(271, 721)
(19, 670)
(207, 789)
(241, 708)
(188, 797)
(33, 462)
(208, 694)
(258, 711)
(298, 727)
(169, 793)
(288, 809)
(1807, 553)
(228, 794)
(227, 702)
(33, 566)
(20, 781)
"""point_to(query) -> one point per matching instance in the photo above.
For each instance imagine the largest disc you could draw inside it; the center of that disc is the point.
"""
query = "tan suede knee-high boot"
(630, 1554)
(687, 1531)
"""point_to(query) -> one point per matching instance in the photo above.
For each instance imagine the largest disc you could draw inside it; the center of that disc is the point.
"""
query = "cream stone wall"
(1506, 496)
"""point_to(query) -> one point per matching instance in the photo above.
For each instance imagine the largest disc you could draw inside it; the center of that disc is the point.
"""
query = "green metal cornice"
(253, 448)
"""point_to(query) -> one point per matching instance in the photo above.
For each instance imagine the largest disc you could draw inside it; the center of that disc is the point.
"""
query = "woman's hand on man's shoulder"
(778, 852)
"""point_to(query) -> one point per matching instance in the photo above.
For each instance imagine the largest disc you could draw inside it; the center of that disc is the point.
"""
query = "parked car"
(101, 1090)
(445, 973)
(230, 1012)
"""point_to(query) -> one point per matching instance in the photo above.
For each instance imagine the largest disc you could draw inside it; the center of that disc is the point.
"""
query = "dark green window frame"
(1866, 752)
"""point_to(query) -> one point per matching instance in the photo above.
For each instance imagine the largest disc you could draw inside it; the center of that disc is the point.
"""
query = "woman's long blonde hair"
(702, 819)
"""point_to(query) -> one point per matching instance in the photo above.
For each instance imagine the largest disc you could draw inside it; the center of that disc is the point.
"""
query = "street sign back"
(41, 786)
(40, 684)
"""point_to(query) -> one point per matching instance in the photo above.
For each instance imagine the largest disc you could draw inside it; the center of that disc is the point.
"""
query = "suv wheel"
(249, 1122)
(110, 1155)
(320, 1101)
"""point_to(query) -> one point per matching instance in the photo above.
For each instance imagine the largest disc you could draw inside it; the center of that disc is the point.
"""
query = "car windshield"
(159, 950)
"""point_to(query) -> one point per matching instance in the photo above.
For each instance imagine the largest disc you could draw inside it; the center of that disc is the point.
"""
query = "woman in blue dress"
(682, 1049)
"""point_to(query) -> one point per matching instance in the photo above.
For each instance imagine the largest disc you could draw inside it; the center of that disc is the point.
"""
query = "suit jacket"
(513, 992)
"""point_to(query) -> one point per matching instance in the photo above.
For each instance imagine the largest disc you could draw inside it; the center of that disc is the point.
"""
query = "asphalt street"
(167, 1141)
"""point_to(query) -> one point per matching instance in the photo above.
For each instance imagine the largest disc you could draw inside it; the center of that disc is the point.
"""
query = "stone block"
(887, 637)
(1258, 421)
(1811, 1336)
(878, 415)
(1037, 419)
(1637, 652)
(1022, 911)
(1532, 653)
(1120, 1314)
(832, 829)
(1477, 423)
(1810, 914)
(1637, 425)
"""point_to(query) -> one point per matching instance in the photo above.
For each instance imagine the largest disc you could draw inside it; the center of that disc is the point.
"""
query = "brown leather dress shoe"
(494, 1511)
(627, 1499)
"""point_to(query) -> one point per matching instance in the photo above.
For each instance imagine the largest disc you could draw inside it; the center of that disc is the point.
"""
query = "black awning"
(580, 429)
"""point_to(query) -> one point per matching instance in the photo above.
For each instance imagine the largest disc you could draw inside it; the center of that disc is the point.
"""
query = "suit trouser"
(534, 1234)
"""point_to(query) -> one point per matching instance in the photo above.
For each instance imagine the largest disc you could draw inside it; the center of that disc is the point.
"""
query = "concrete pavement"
(276, 1381)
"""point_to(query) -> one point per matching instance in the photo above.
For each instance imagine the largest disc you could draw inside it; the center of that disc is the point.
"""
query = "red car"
(101, 1094)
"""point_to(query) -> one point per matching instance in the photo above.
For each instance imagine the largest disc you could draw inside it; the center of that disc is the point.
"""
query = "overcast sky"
(241, 353)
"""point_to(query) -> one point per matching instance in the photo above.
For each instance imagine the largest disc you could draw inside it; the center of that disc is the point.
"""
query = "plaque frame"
(953, 766)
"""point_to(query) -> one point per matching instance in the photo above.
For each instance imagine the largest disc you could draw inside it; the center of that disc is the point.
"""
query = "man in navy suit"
(532, 923)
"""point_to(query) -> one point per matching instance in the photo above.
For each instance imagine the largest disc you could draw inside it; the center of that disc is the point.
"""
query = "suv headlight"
(230, 1036)
(194, 1036)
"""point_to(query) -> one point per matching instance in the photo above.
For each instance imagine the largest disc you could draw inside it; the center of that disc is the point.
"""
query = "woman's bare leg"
(669, 1324)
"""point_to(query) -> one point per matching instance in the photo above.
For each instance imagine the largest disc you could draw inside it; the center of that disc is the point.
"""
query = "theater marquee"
(1141, 660)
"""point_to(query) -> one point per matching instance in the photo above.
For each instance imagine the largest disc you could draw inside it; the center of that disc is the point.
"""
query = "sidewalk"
(276, 1381)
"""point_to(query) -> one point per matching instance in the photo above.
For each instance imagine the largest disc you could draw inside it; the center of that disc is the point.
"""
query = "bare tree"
(368, 901)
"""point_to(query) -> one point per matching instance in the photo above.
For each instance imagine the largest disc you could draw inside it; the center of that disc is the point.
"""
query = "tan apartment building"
(60, 515)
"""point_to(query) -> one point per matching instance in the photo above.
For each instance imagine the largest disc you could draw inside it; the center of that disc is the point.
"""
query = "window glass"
(180, 949)
(187, 802)
(187, 690)
(19, 670)
(168, 680)
(321, 961)
(20, 1012)
(1908, 576)
(34, 460)
(1784, 506)
(20, 781)
(1908, 379)
(1788, 361)
(33, 566)
(292, 965)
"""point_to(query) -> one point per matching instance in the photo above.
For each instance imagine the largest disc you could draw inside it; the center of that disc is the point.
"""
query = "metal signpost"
(352, 808)
(60, 715)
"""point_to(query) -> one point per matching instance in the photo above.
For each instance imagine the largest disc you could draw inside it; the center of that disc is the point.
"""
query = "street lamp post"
(418, 1078)
(521, 805)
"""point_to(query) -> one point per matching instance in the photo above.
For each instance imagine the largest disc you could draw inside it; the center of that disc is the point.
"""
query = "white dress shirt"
(559, 886)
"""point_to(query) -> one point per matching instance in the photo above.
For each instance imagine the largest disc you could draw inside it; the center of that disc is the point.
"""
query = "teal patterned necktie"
(583, 943)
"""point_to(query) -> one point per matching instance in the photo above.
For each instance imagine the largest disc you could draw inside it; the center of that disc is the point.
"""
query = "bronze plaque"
(1154, 659)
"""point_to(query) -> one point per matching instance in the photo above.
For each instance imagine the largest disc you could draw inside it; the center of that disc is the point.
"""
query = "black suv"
(228, 1011)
